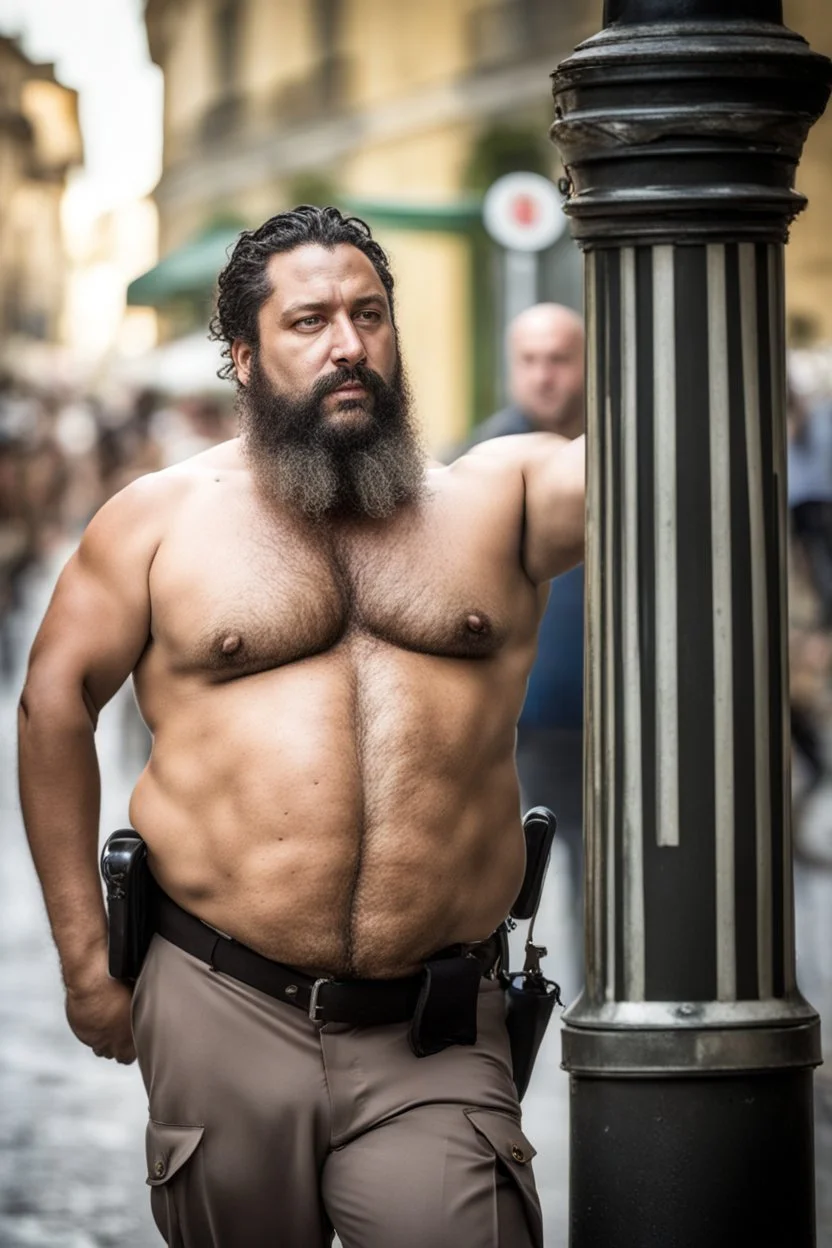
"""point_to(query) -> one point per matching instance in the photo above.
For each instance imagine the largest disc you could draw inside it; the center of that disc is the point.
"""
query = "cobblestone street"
(72, 1126)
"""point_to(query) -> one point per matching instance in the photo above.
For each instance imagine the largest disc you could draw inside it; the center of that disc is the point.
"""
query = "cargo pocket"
(170, 1152)
(516, 1189)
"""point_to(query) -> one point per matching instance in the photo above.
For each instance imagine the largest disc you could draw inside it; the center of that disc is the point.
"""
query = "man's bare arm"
(94, 631)
(548, 472)
(555, 494)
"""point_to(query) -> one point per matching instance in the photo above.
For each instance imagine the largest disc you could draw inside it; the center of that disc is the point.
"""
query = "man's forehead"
(320, 272)
(552, 336)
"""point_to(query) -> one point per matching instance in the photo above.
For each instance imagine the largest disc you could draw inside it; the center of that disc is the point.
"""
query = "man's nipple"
(477, 623)
(231, 644)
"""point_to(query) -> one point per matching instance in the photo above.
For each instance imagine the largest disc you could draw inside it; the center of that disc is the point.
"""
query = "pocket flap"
(504, 1136)
(168, 1147)
(513, 1153)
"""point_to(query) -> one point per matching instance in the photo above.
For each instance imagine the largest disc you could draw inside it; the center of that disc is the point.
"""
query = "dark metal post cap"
(686, 130)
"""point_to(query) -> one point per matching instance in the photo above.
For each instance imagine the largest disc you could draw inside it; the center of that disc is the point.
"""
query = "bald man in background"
(545, 355)
(545, 350)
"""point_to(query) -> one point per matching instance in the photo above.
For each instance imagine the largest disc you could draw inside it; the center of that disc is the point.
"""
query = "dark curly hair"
(244, 284)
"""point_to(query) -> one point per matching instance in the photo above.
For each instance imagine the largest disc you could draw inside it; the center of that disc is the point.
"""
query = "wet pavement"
(72, 1125)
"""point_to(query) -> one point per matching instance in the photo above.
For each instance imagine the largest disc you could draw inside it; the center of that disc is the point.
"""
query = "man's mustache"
(367, 377)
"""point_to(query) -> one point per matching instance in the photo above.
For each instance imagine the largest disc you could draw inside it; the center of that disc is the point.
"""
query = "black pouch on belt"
(446, 1011)
(130, 892)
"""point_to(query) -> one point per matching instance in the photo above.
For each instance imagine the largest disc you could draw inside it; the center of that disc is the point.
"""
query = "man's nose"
(545, 376)
(347, 347)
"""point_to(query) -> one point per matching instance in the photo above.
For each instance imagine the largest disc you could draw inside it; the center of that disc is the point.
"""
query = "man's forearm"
(60, 798)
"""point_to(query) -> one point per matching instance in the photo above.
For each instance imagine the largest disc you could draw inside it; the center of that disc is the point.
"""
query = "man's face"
(328, 311)
(324, 403)
(546, 363)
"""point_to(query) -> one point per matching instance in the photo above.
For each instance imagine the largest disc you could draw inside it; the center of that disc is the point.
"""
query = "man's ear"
(241, 355)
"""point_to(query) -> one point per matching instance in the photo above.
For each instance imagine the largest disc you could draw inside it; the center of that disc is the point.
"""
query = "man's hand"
(99, 1014)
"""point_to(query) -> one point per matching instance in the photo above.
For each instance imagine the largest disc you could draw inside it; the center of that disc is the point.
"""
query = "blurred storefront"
(40, 142)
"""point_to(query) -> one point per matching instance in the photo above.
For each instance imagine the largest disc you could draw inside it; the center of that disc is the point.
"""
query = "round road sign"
(522, 211)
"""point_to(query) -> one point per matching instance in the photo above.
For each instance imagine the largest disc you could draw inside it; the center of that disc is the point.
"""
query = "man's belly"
(343, 825)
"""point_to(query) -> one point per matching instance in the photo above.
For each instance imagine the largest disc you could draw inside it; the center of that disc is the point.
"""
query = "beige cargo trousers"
(270, 1131)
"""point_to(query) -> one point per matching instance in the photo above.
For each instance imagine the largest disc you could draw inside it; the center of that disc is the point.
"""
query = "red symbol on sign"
(525, 210)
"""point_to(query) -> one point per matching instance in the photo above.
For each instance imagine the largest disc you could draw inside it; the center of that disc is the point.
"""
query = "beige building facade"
(404, 113)
(809, 254)
(40, 142)
(401, 112)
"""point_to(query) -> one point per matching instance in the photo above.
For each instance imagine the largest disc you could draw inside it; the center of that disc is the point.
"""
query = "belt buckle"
(313, 999)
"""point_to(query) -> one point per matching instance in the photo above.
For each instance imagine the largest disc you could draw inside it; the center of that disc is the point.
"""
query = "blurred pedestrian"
(545, 347)
(16, 545)
(809, 664)
(33, 480)
(127, 444)
(810, 493)
(809, 427)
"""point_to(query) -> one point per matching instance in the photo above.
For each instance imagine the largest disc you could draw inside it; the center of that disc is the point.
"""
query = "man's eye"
(308, 322)
(368, 314)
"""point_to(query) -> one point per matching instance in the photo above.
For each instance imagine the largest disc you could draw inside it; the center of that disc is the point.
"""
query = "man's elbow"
(54, 698)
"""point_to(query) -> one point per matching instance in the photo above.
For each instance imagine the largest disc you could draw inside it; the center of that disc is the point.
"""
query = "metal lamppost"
(691, 1050)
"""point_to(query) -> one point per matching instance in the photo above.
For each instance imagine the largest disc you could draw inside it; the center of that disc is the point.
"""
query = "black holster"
(130, 902)
(530, 997)
(530, 1000)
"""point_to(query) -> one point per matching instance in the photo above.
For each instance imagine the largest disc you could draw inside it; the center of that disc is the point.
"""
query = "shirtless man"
(329, 638)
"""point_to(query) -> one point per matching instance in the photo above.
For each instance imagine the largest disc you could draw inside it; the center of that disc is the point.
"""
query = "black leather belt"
(359, 1002)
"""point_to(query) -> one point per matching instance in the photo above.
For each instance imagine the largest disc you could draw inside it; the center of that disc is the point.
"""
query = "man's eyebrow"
(306, 306)
(364, 301)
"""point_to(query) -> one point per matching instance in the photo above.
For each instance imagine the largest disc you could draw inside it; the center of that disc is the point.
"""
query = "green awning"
(459, 217)
(189, 270)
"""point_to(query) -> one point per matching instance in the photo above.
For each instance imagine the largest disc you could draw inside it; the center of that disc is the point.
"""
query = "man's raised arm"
(555, 492)
(94, 632)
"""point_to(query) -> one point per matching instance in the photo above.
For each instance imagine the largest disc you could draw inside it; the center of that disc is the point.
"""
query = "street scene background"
(137, 140)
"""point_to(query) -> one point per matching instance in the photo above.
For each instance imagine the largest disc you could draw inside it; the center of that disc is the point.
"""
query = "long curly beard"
(304, 460)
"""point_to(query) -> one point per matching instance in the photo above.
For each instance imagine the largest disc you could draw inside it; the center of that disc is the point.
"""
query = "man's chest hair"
(242, 590)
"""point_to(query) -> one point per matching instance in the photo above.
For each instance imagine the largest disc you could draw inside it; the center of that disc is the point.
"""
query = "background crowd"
(62, 455)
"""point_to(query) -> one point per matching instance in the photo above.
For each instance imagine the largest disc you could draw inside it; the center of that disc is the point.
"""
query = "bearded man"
(329, 638)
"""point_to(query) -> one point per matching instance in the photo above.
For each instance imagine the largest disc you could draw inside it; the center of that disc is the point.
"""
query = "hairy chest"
(234, 592)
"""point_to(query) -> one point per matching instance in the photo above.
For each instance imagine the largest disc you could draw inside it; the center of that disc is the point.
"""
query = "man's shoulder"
(189, 474)
(489, 466)
(512, 450)
(146, 505)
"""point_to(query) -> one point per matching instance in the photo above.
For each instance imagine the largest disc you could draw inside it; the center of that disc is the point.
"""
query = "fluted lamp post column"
(691, 1049)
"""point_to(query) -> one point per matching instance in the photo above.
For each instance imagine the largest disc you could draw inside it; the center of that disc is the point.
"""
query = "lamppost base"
(692, 1162)
(691, 1123)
